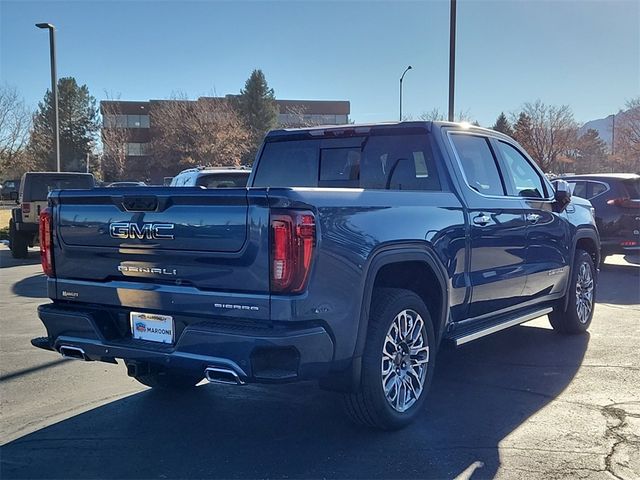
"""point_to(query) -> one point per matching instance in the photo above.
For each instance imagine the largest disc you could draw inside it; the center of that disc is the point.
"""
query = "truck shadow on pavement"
(619, 284)
(32, 287)
(7, 261)
(481, 393)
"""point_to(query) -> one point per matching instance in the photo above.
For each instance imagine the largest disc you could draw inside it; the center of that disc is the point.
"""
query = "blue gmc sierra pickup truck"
(352, 255)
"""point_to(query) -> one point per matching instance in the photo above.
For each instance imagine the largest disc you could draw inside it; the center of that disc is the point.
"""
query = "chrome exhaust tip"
(222, 375)
(74, 353)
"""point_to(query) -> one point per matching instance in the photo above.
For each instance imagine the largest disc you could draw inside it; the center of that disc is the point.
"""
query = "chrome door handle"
(533, 217)
(481, 219)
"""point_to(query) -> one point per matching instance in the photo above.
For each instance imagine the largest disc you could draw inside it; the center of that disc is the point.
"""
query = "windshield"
(223, 180)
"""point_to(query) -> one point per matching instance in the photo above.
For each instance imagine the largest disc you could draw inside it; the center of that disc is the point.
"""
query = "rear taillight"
(293, 236)
(629, 243)
(624, 202)
(46, 243)
(26, 207)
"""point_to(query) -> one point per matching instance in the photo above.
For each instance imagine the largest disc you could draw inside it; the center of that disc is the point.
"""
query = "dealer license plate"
(152, 327)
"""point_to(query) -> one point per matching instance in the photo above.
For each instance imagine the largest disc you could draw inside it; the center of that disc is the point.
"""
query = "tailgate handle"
(140, 204)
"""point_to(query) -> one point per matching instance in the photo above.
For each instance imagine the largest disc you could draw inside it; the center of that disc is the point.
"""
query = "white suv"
(212, 177)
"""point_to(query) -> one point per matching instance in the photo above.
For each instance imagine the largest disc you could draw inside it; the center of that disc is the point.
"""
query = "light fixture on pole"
(54, 88)
(402, 78)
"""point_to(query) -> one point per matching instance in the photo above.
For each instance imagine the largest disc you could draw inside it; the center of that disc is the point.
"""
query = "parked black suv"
(9, 189)
(616, 199)
(34, 188)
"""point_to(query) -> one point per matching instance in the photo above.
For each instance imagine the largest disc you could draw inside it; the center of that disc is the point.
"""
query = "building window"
(137, 149)
(137, 121)
(290, 119)
(125, 121)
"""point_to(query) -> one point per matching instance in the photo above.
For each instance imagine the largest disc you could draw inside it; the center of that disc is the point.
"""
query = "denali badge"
(149, 231)
(159, 271)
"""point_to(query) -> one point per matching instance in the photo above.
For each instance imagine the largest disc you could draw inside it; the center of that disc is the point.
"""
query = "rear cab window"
(37, 187)
(394, 161)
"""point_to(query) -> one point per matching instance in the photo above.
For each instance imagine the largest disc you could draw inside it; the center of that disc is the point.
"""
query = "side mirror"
(563, 194)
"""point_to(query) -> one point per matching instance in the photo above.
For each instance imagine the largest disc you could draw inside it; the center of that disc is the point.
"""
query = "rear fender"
(397, 253)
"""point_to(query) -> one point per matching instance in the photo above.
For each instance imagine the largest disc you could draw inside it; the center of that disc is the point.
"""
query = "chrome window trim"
(586, 180)
(464, 175)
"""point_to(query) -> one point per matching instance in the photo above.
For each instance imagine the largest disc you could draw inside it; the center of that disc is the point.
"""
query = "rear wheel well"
(589, 246)
(419, 278)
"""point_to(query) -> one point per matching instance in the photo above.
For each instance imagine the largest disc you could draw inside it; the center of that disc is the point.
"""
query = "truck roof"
(57, 173)
(618, 176)
(365, 128)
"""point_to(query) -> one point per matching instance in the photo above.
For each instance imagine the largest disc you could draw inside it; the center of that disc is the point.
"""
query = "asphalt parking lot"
(523, 403)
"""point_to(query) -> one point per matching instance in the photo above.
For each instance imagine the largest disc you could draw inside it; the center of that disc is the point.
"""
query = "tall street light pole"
(613, 134)
(452, 57)
(54, 88)
(402, 78)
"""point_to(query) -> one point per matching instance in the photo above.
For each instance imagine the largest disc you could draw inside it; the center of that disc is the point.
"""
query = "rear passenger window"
(478, 164)
(524, 179)
(579, 189)
(596, 189)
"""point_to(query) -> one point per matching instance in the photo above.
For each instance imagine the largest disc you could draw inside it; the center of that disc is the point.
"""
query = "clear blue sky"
(582, 53)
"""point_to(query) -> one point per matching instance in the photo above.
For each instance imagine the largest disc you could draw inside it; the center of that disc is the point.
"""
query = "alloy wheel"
(584, 293)
(405, 358)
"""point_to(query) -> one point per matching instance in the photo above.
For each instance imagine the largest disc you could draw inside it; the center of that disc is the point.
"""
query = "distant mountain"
(604, 126)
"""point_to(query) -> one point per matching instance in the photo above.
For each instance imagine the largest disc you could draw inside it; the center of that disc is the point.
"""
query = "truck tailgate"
(213, 240)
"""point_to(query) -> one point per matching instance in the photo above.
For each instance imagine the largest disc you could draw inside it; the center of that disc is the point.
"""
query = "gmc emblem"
(148, 231)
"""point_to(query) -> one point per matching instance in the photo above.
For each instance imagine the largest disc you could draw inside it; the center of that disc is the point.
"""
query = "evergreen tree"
(590, 154)
(78, 117)
(523, 131)
(502, 125)
(257, 105)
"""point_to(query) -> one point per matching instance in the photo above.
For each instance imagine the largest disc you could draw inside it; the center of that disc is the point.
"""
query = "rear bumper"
(612, 247)
(254, 354)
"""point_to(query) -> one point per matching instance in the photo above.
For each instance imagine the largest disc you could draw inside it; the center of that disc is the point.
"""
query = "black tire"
(168, 380)
(18, 243)
(571, 320)
(369, 405)
(602, 259)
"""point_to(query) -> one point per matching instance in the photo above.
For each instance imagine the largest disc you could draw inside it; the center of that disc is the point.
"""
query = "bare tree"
(296, 118)
(114, 143)
(627, 140)
(207, 131)
(15, 123)
(551, 134)
(435, 115)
